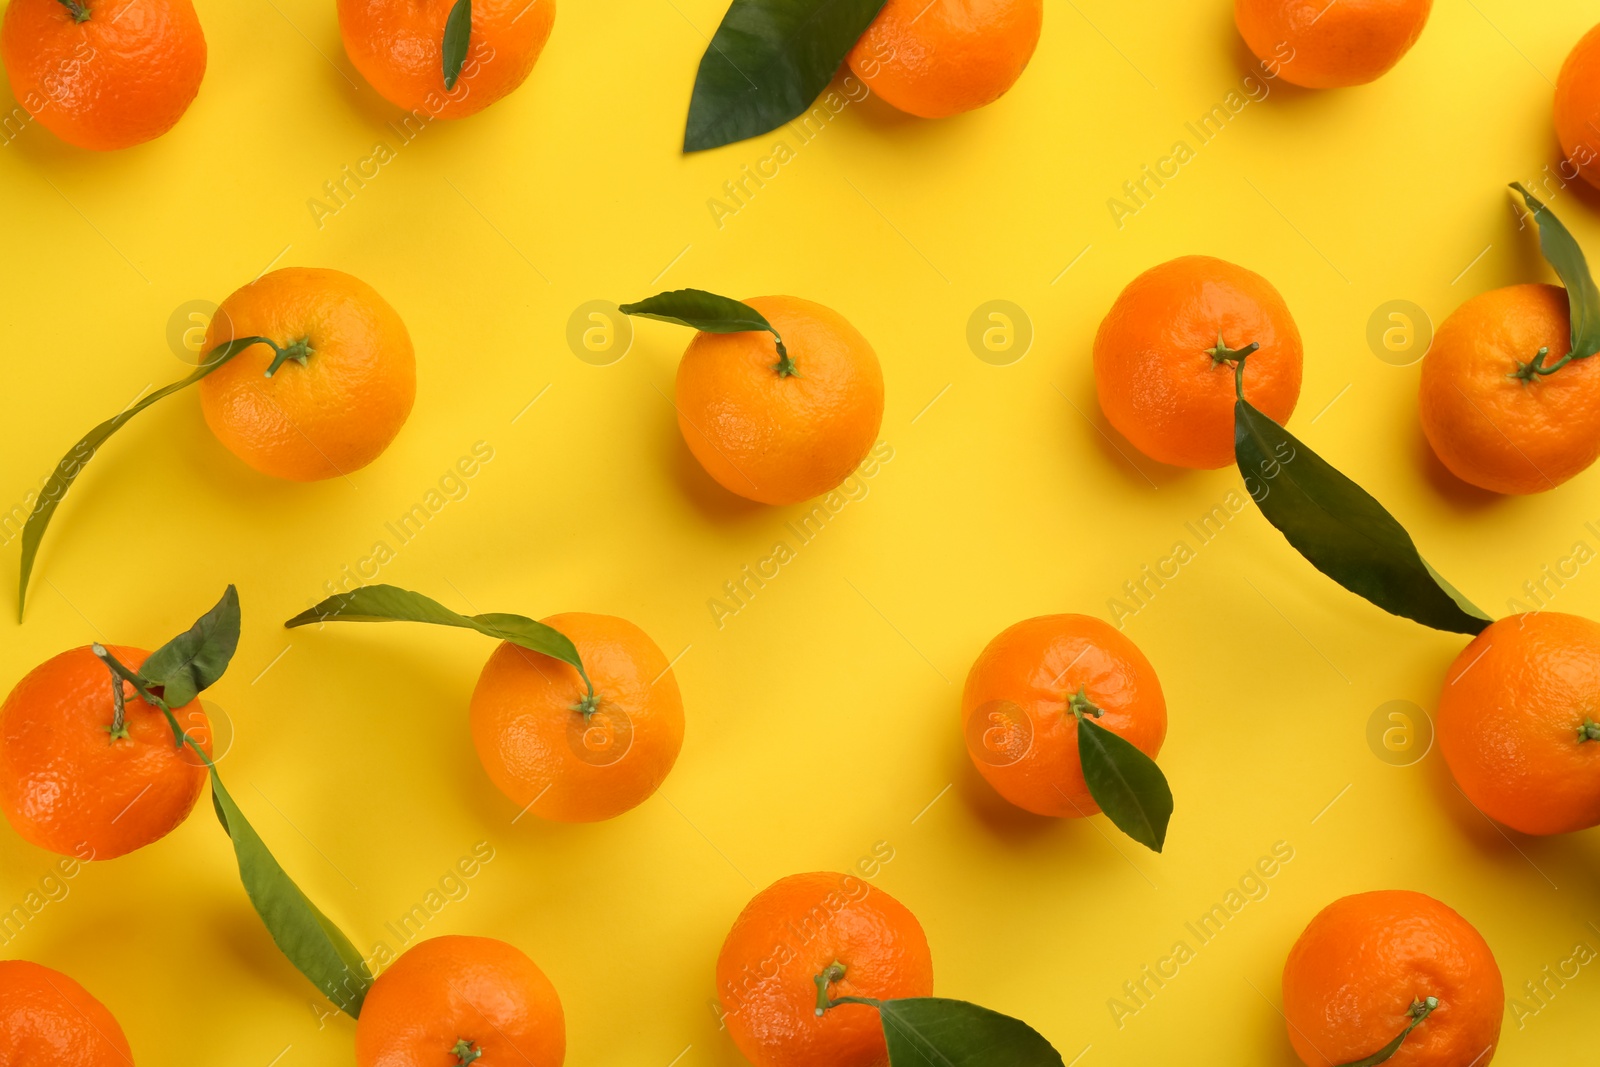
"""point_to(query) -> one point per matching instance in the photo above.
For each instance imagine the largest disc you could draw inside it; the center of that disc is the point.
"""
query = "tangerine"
(794, 931)
(69, 785)
(467, 997)
(553, 749)
(1519, 716)
(936, 58)
(1577, 106)
(1331, 45)
(1016, 708)
(775, 428)
(104, 74)
(48, 1019)
(1162, 358)
(332, 395)
(1369, 965)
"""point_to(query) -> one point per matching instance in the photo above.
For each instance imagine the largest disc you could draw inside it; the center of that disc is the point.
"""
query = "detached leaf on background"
(1340, 528)
(767, 63)
(1562, 252)
(1126, 783)
(388, 603)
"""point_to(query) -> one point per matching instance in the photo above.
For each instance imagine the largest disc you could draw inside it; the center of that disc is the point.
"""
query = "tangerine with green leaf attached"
(49, 1020)
(80, 776)
(456, 1000)
(1392, 968)
(400, 48)
(1164, 358)
(331, 389)
(1327, 45)
(104, 74)
(1519, 722)
(936, 58)
(568, 753)
(1577, 106)
(807, 938)
(1045, 687)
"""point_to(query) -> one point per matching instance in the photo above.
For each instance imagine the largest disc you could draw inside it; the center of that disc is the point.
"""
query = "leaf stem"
(300, 351)
(1080, 705)
(1589, 731)
(830, 974)
(1420, 1010)
(465, 1051)
(785, 365)
(120, 674)
(79, 9)
(1221, 353)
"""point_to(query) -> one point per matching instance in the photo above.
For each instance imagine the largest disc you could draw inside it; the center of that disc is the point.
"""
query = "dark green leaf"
(457, 33)
(1563, 253)
(306, 936)
(192, 662)
(1126, 783)
(701, 310)
(388, 603)
(71, 465)
(767, 63)
(935, 1032)
(1340, 528)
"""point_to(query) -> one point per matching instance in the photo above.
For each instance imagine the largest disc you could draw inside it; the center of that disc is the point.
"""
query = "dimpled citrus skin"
(792, 931)
(1157, 384)
(1577, 106)
(775, 439)
(935, 58)
(122, 77)
(1349, 42)
(339, 411)
(398, 46)
(66, 786)
(529, 738)
(1351, 977)
(449, 989)
(1497, 432)
(48, 1020)
(1035, 666)
(1509, 718)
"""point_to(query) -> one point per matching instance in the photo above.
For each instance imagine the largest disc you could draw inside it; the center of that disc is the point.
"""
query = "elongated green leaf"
(388, 603)
(457, 33)
(767, 63)
(1340, 528)
(1126, 783)
(935, 1032)
(72, 464)
(701, 310)
(193, 661)
(1562, 252)
(306, 936)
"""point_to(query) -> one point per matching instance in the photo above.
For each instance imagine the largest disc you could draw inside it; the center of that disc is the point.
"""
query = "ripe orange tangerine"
(1331, 45)
(936, 58)
(1577, 106)
(48, 1020)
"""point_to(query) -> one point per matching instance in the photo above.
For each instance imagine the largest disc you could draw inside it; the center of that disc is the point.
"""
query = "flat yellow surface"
(822, 716)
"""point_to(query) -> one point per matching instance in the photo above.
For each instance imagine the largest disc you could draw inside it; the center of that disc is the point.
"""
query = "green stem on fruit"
(1080, 705)
(119, 722)
(830, 974)
(589, 703)
(1532, 368)
(300, 352)
(465, 1051)
(79, 9)
(1221, 353)
(785, 365)
(120, 674)
(1589, 731)
(1420, 1010)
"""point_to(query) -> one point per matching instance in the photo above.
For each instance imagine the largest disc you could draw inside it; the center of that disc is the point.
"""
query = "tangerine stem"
(1589, 731)
(1535, 366)
(465, 1051)
(1420, 1010)
(831, 973)
(1080, 705)
(120, 674)
(299, 351)
(785, 365)
(79, 9)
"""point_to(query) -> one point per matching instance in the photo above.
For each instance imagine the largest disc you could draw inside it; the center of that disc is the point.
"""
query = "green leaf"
(457, 33)
(1126, 783)
(307, 937)
(193, 661)
(1563, 253)
(71, 465)
(1340, 528)
(701, 310)
(935, 1032)
(767, 63)
(388, 603)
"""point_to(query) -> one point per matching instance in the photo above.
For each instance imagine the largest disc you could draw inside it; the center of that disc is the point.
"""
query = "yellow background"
(822, 718)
